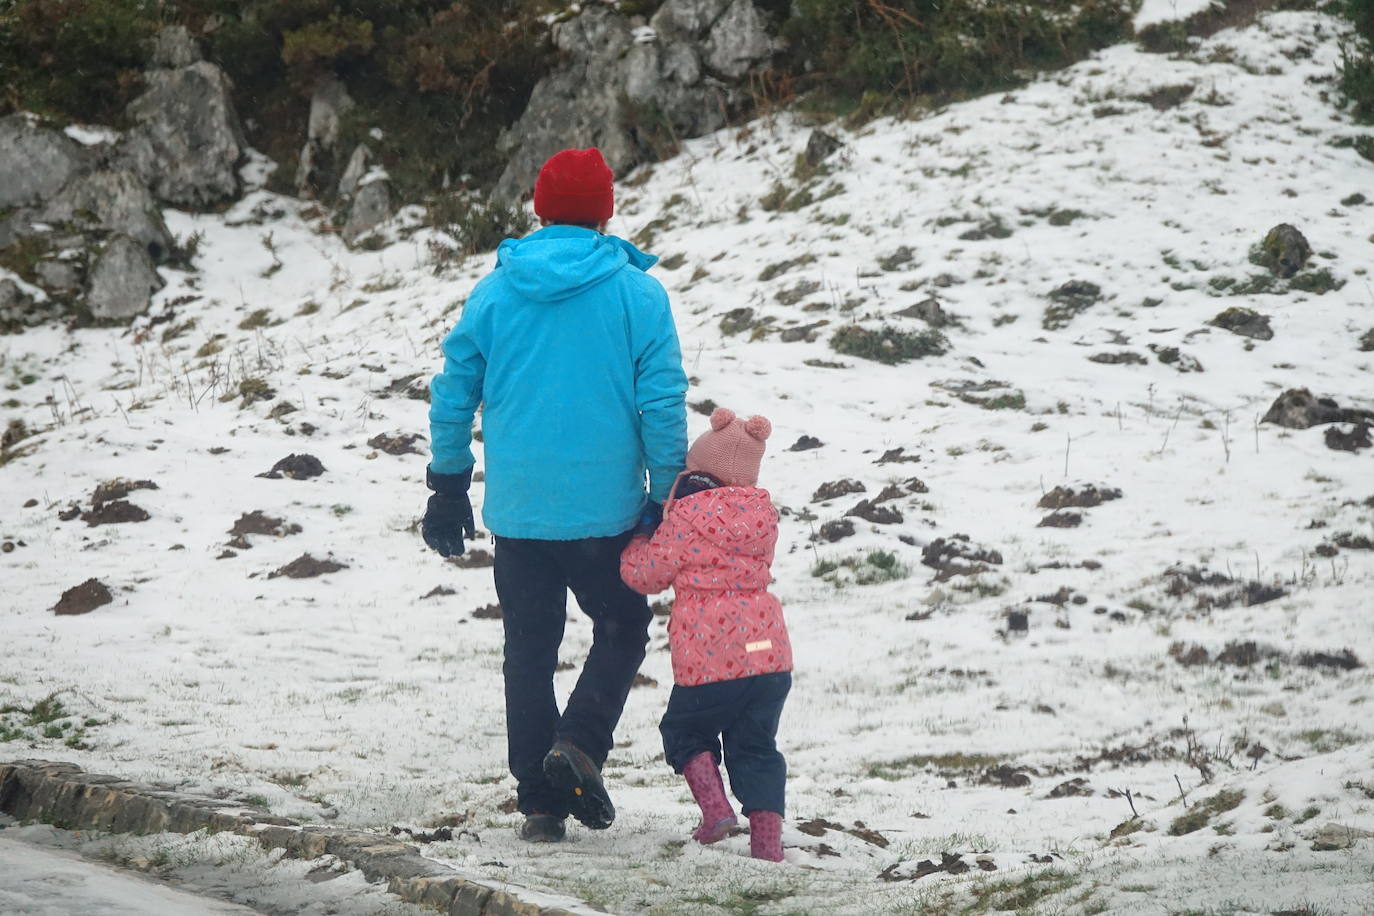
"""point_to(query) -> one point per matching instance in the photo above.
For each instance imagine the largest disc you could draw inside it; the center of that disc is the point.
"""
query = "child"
(731, 655)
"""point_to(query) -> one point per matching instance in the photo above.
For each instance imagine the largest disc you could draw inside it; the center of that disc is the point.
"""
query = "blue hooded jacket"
(571, 350)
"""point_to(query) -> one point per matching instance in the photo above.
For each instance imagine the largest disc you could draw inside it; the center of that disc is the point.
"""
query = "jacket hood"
(558, 262)
(741, 519)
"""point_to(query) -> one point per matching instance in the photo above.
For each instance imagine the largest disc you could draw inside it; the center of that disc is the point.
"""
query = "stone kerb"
(65, 796)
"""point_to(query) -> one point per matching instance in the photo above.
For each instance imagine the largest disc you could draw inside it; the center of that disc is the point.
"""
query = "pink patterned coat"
(715, 548)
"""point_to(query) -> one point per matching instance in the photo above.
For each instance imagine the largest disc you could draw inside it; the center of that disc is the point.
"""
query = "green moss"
(1319, 282)
(887, 344)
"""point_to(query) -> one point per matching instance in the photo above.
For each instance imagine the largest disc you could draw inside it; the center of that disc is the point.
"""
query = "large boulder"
(186, 143)
(36, 162)
(111, 202)
(122, 280)
(626, 86)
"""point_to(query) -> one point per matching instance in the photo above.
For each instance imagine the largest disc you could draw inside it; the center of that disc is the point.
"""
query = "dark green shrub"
(943, 47)
(477, 224)
(1357, 62)
(74, 59)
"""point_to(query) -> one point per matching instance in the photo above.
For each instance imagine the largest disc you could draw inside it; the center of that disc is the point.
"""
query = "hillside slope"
(1203, 635)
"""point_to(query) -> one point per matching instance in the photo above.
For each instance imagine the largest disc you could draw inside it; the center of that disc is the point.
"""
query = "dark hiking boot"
(542, 828)
(573, 773)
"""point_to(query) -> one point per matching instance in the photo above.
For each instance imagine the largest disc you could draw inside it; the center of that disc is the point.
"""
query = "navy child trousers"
(742, 716)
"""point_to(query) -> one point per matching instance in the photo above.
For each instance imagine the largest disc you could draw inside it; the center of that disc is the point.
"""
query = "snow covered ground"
(984, 723)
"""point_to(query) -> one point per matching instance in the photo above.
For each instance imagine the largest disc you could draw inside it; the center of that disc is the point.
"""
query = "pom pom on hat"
(575, 186)
(732, 449)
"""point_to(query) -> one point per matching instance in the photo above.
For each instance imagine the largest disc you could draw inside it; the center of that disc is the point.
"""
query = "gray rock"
(738, 41)
(114, 202)
(328, 105)
(187, 142)
(174, 48)
(1245, 322)
(36, 162)
(357, 167)
(929, 311)
(632, 97)
(1335, 836)
(306, 170)
(1284, 251)
(122, 281)
(820, 146)
(59, 277)
(371, 206)
(12, 294)
(1298, 408)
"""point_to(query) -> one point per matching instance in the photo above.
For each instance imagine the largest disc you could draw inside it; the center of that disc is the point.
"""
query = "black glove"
(448, 515)
(650, 517)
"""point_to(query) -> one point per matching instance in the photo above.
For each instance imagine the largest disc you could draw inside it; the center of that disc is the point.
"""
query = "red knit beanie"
(732, 449)
(574, 186)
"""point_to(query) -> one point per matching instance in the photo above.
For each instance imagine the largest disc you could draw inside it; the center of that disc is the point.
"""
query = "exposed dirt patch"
(83, 598)
(111, 490)
(1008, 776)
(840, 528)
(1079, 498)
(115, 513)
(296, 467)
(487, 612)
(643, 680)
(256, 522)
(1354, 440)
(870, 511)
(473, 559)
(958, 556)
(950, 863)
(805, 443)
(1061, 520)
(438, 591)
(837, 488)
(306, 567)
(402, 444)
(1076, 786)
(1217, 591)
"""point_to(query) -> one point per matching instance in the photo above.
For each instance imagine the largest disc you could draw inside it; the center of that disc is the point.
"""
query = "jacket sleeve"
(650, 564)
(660, 394)
(455, 394)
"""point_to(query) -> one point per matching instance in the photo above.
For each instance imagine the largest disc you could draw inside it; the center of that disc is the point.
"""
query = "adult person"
(569, 347)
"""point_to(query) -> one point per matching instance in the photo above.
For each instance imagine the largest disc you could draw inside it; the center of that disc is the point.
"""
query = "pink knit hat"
(731, 450)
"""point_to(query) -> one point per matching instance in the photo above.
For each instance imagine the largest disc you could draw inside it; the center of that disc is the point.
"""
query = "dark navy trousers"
(533, 578)
(742, 716)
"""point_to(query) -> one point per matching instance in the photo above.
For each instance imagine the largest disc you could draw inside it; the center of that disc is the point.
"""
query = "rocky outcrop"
(111, 202)
(36, 162)
(90, 215)
(187, 142)
(122, 281)
(629, 85)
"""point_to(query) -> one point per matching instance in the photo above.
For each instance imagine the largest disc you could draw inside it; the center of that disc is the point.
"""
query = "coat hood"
(558, 262)
(739, 519)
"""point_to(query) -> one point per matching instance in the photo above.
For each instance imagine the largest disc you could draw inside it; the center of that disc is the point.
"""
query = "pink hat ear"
(722, 417)
(758, 427)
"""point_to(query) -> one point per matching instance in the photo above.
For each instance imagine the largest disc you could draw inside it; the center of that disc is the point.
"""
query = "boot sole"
(587, 798)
